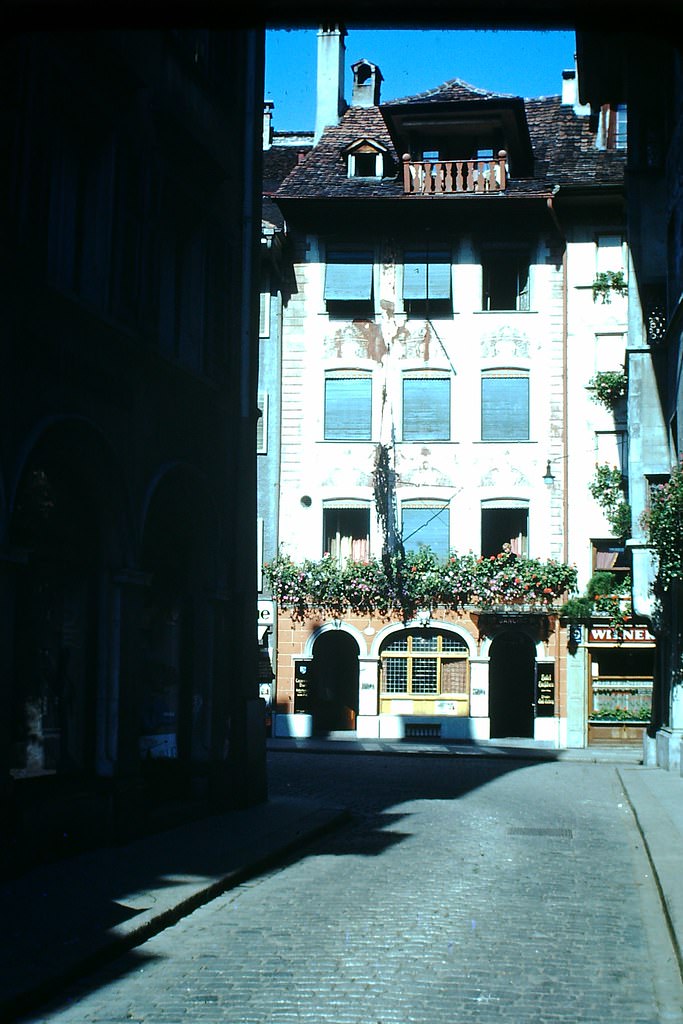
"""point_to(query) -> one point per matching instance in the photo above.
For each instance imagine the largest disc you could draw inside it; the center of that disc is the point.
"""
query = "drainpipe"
(565, 418)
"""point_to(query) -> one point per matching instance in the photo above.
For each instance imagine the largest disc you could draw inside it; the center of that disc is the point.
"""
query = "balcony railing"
(447, 177)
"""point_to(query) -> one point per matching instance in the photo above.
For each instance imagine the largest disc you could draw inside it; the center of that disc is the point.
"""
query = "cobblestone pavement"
(462, 891)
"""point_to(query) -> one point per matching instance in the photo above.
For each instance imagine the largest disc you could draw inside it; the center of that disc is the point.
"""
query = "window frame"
(332, 506)
(423, 294)
(494, 258)
(348, 294)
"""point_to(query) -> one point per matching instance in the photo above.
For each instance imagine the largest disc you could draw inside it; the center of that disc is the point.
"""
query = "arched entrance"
(53, 702)
(511, 684)
(335, 681)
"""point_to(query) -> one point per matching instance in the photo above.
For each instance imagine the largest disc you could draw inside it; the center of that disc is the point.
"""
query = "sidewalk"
(65, 918)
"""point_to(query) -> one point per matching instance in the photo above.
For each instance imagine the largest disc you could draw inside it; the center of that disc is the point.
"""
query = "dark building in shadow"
(129, 204)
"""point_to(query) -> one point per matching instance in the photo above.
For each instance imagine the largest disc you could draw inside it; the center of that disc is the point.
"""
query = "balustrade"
(446, 177)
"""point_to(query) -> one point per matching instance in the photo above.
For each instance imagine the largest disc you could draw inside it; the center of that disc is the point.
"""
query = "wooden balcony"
(448, 177)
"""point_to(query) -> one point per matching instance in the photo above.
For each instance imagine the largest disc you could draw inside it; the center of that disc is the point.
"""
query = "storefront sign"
(627, 635)
(545, 691)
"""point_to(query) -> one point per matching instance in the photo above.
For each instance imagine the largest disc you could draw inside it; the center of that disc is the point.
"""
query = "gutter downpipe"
(565, 418)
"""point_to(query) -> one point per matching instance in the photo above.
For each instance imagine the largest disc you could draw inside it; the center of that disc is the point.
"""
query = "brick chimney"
(330, 103)
(367, 79)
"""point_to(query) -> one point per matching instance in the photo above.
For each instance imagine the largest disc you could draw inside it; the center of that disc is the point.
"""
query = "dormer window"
(365, 159)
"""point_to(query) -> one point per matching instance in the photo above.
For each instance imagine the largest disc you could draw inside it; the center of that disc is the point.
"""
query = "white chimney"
(330, 83)
(267, 124)
(570, 92)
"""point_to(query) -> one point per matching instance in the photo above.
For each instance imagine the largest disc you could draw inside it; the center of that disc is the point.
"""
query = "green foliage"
(607, 282)
(608, 387)
(604, 595)
(663, 523)
(607, 487)
(621, 714)
(417, 580)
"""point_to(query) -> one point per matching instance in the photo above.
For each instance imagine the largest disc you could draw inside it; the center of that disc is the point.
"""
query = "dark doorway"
(335, 675)
(511, 684)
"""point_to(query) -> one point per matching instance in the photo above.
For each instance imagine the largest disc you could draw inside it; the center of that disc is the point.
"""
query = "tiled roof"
(563, 144)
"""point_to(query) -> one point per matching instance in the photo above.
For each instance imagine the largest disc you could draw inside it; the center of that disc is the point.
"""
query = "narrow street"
(463, 889)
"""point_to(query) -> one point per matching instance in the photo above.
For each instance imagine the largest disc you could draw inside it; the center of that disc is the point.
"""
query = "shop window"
(348, 406)
(346, 531)
(505, 406)
(505, 275)
(504, 527)
(426, 407)
(348, 283)
(427, 282)
(425, 663)
(426, 525)
(621, 686)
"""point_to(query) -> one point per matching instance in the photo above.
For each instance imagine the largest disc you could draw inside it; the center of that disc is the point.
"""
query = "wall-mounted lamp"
(548, 477)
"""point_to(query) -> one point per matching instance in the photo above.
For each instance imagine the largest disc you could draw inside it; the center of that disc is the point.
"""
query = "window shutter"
(429, 526)
(348, 277)
(348, 408)
(426, 276)
(426, 409)
(505, 409)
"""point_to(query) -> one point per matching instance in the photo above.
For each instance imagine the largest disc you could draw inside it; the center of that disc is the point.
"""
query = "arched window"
(425, 663)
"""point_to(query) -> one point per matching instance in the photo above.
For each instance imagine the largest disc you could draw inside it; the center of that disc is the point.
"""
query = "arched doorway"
(54, 697)
(335, 681)
(511, 684)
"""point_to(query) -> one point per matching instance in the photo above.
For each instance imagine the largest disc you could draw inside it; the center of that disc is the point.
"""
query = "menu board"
(545, 691)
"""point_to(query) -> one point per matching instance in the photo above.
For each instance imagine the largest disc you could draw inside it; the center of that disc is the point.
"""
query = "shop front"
(620, 667)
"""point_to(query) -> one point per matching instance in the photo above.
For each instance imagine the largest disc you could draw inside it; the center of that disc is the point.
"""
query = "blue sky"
(523, 63)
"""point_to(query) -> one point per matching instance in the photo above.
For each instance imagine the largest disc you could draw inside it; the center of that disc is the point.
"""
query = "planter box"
(615, 733)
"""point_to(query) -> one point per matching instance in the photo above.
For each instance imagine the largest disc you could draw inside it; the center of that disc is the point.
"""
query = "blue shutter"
(426, 276)
(426, 409)
(429, 527)
(348, 277)
(505, 409)
(348, 409)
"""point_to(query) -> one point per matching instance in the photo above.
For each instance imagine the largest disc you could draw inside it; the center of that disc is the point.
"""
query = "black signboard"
(545, 691)
(303, 694)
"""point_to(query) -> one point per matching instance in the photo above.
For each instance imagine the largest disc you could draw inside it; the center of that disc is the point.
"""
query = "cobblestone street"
(464, 889)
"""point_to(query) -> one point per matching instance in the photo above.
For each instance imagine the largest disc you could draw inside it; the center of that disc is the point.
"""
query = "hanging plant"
(606, 282)
(416, 580)
(608, 387)
(607, 487)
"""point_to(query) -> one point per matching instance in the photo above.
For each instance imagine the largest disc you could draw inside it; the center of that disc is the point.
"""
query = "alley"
(463, 889)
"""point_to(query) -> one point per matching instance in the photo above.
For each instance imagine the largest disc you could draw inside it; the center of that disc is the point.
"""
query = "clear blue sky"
(522, 63)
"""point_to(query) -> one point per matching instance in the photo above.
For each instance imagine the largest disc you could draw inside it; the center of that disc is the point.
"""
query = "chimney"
(267, 124)
(367, 79)
(330, 84)
(570, 92)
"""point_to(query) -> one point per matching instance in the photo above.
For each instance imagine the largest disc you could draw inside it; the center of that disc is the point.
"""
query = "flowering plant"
(416, 580)
(607, 487)
(608, 386)
(663, 523)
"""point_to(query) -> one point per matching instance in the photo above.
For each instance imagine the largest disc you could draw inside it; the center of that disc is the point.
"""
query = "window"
(427, 282)
(262, 424)
(609, 255)
(426, 407)
(505, 406)
(505, 275)
(348, 283)
(348, 406)
(610, 555)
(425, 663)
(504, 524)
(611, 448)
(264, 315)
(346, 530)
(426, 525)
